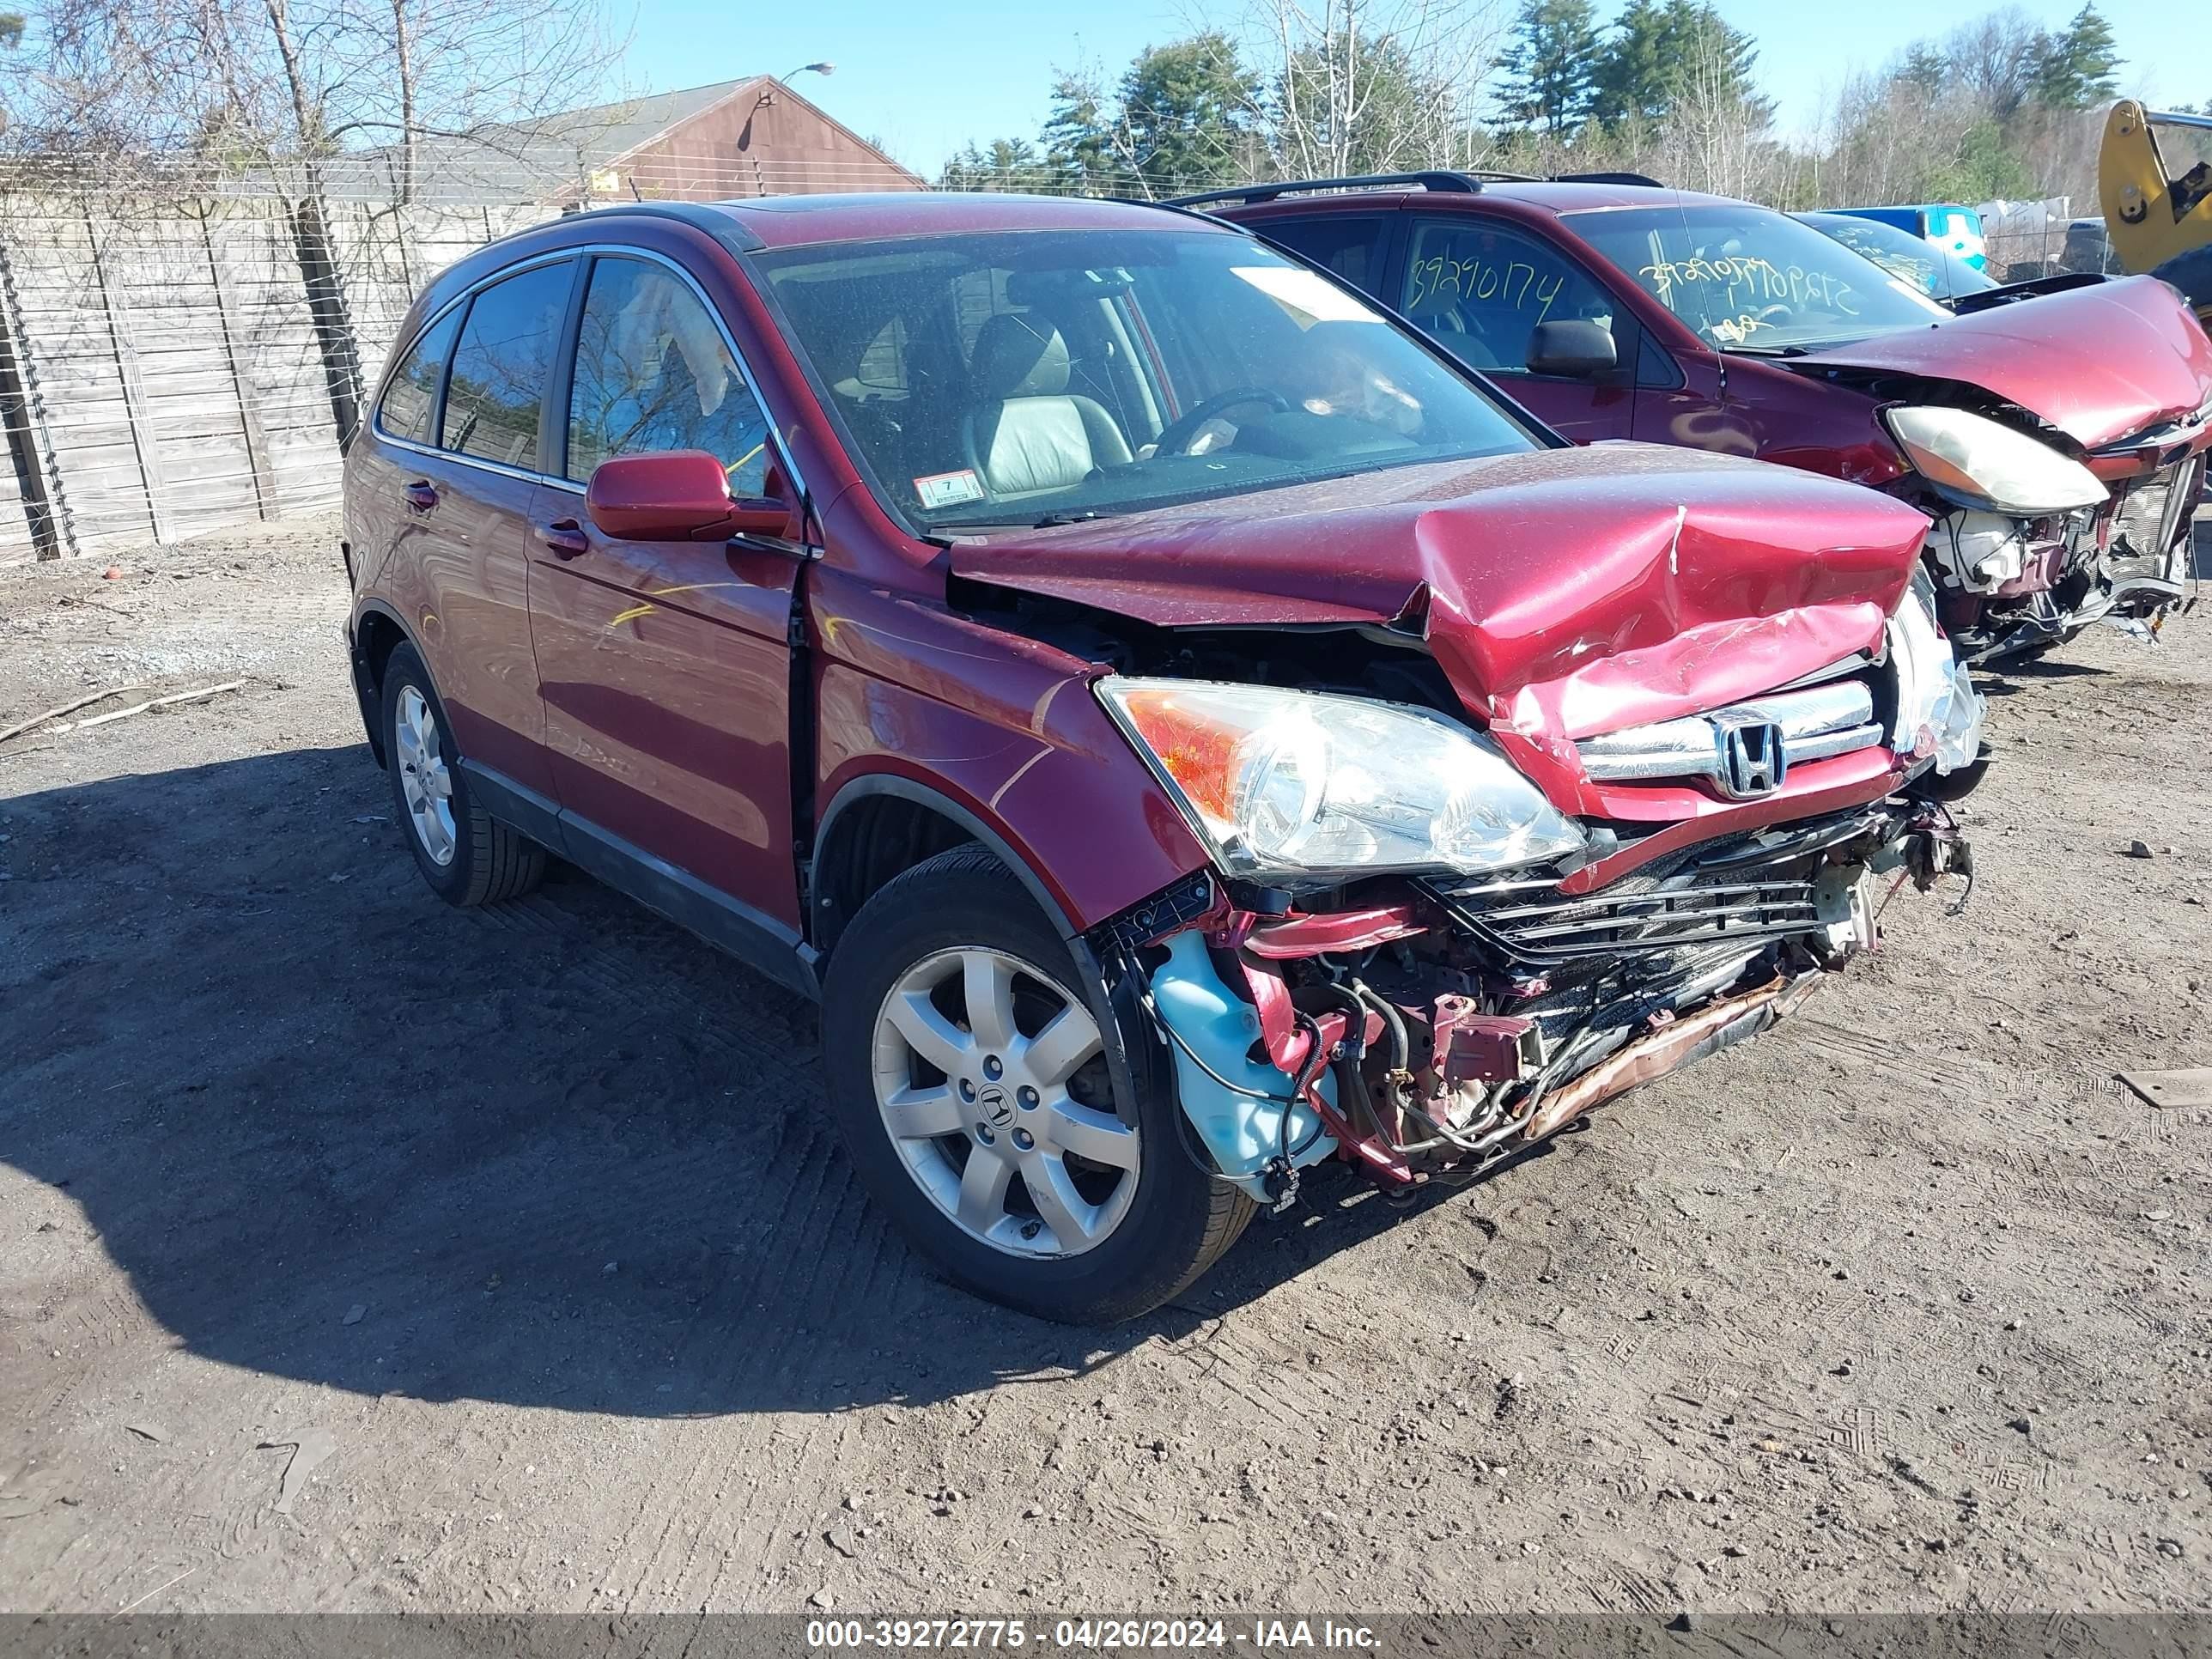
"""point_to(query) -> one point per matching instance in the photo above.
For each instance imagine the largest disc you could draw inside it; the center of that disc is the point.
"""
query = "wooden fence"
(161, 372)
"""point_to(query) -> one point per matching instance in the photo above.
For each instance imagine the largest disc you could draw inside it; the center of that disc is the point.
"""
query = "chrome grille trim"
(1835, 717)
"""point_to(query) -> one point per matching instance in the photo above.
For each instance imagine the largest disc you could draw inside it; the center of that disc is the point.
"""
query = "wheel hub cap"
(424, 782)
(976, 1052)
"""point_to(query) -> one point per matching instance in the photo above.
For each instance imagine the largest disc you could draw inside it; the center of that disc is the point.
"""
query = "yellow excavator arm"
(2158, 221)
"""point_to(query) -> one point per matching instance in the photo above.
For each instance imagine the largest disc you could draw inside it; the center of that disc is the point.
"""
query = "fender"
(999, 732)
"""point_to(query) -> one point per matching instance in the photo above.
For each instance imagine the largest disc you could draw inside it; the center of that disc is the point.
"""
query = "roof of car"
(798, 221)
(1556, 196)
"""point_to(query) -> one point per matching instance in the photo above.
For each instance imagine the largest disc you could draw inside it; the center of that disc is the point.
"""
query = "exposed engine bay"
(1423, 1027)
(1432, 1028)
(2014, 584)
(2030, 547)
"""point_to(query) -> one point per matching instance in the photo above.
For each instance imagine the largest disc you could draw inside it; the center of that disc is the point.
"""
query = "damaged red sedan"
(2057, 440)
(1182, 726)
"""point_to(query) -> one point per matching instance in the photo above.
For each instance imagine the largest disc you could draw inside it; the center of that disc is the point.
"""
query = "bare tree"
(314, 101)
(1352, 86)
(1995, 58)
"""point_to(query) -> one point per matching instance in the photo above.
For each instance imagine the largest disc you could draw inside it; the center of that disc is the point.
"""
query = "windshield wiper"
(1769, 351)
(1052, 520)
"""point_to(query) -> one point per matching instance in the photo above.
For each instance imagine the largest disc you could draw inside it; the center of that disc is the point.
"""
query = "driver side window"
(1479, 287)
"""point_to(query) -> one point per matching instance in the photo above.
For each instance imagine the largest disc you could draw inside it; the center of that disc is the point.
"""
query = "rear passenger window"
(411, 395)
(1351, 244)
(654, 372)
(505, 352)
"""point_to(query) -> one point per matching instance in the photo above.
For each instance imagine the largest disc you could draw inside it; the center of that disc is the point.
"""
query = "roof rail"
(1606, 178)
(1462, 184)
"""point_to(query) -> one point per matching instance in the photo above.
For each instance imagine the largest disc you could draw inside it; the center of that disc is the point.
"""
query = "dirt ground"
(358, 1253)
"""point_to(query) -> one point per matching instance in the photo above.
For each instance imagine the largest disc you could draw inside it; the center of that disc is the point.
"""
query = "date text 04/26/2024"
(1090, 1635)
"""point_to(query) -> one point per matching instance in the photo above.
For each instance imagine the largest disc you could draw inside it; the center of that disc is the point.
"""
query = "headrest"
(1019, 356)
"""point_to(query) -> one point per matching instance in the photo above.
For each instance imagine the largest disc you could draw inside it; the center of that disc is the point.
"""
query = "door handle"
(421, 497)
(565, 537)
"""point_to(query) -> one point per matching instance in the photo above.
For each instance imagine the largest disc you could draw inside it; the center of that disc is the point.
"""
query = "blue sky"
(926, 79)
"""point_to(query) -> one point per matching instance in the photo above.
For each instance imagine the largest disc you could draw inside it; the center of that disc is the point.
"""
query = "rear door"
(1478, 285)
(467, 502)
(666, 667)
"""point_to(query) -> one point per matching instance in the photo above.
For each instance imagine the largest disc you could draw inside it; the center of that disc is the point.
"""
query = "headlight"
(1982, 464)
(1300, 783)
(1936, 705)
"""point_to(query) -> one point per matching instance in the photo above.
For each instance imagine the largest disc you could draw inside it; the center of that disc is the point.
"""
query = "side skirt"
(759, 941)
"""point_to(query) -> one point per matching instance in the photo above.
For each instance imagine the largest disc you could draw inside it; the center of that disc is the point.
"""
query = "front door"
(665, 667)
(1479, 285)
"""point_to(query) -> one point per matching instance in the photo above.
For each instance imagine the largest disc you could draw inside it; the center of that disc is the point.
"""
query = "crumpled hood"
(2098, 363)
(1568, 591)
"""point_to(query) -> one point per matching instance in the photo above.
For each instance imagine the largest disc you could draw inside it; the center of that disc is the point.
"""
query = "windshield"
(1936, 271)
(1034, 377)
(1749, 279)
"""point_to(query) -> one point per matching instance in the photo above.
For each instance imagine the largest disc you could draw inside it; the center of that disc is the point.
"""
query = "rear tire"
(1019, 1168)
(467, 856)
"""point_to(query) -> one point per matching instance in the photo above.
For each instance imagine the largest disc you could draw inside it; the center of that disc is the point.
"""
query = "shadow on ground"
(553, 1153)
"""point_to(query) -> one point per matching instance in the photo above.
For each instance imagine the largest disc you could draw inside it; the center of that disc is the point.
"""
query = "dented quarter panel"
(1007, 727)
(2097, 363)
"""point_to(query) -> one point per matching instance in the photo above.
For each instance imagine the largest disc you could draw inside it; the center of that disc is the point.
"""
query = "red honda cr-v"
(1182, 726)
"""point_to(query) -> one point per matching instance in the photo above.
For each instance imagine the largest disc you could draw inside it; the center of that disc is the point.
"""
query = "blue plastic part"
(1243, 1133)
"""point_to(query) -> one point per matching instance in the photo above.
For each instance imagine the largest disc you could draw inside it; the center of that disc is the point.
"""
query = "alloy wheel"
(991, 1079)
(425, 782)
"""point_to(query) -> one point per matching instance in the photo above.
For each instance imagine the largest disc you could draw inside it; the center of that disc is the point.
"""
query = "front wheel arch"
(881, 825)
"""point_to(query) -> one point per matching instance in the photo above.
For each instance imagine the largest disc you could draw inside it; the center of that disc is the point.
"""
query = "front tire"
(467, 856)
(967, 1054)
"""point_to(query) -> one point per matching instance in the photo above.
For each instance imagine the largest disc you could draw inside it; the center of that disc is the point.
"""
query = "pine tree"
(1186, 108)
(2078, 65)
(1662, 48)
(1925, 68)
(1549, 66)
(1631, 76)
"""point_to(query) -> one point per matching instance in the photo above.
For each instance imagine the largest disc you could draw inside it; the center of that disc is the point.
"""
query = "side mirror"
(680, 495)
(1577, 350)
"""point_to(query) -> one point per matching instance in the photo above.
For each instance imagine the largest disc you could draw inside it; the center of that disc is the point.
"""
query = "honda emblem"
(1752, 761)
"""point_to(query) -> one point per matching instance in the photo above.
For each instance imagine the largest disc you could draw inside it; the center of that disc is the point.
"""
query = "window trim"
(437, 392)
(582, 255)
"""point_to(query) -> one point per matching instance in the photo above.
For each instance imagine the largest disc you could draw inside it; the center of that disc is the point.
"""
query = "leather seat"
(1030, 434)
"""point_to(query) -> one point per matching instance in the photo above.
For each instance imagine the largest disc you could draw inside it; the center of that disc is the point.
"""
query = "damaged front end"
(1426, 1024)
(2034, 537)
(1439, 1025)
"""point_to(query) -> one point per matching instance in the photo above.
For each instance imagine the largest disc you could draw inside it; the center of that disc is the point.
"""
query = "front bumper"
(1455, 1023)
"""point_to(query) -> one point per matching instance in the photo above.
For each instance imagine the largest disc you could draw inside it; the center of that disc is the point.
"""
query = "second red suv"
(2056, 440)
(1182, 726)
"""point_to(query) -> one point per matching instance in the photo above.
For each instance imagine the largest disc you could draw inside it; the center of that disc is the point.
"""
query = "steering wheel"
(1176, 440)
(1775, 315)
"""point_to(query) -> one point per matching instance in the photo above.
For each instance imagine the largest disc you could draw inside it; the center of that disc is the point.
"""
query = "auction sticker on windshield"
(948, 489)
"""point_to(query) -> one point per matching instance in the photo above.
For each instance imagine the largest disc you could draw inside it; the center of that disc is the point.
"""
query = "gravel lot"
(357, 1253)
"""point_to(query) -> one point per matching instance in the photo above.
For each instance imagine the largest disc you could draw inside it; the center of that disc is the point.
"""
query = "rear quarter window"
(410, 396)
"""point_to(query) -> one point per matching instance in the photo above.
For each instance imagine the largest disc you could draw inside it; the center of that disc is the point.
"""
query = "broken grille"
(1552, 932)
